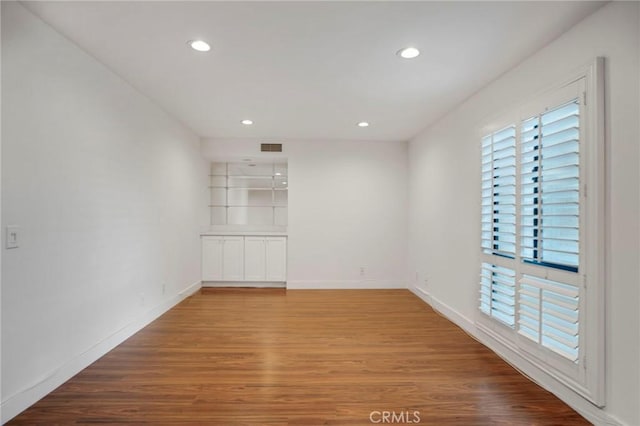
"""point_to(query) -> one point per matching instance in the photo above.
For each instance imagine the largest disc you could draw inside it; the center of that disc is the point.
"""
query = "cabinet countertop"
(243, 233)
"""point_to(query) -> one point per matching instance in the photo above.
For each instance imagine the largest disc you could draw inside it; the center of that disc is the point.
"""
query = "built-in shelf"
(282, 188)
(278, 206)
(248, 194)
(246, 233)
(252, 176)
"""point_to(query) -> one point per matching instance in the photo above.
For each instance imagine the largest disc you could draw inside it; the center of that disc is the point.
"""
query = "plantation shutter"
(497, 293)
(548, 315)
(543, 234)
(499, 192)
(550, 188)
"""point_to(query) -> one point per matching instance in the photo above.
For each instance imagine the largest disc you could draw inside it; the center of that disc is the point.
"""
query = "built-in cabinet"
(276, 263)
(222, 258)
(255, 263)
(244, 258)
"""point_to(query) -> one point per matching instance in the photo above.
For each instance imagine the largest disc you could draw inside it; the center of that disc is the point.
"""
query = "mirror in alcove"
(249, 194)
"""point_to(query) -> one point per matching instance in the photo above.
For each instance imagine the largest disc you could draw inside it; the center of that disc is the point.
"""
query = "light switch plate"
(13, 236)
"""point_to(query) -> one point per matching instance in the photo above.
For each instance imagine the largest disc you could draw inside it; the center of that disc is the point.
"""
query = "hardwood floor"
(277, 357)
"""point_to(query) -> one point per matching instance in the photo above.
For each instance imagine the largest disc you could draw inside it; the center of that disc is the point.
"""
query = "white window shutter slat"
(499, 192)
(549, 314)
(497, 293)
(550, 185)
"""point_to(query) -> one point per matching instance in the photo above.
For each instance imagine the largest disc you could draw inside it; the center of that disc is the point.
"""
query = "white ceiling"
(310, 70)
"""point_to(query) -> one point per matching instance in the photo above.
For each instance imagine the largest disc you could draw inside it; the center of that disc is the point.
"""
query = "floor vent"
(271, 147)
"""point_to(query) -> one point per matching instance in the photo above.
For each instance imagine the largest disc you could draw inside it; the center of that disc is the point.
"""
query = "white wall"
(110, 193)
(444, 183)
(1, 234)
(347, 210)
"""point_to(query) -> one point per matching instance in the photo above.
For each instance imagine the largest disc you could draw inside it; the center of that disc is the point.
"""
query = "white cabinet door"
(233, 259)
(212, 258)
(254, 258)
(276, 259)
(230, 258)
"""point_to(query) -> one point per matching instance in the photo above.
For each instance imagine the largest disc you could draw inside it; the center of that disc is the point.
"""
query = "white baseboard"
(422, 294)
(22, 400)
(586, 409)
(243, 284)
(344, 285)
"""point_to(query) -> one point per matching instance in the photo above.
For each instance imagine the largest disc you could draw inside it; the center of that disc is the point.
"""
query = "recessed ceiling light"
(247, 122)
(284, 183)
(199, 45)
(363, 124)
(408, 52)
(278, 174)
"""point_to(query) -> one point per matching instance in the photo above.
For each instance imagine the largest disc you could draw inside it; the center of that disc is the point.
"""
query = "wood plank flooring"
(277, 357)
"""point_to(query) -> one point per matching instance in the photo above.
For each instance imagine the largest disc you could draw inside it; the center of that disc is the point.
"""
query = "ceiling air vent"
(271, 147)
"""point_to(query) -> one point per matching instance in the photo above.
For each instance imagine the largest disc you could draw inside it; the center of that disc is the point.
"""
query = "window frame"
(587, 376)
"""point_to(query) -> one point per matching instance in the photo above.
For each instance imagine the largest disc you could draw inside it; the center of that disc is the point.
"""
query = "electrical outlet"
(13, 236)
(362, 271)
(164, 288)
(141, 299)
